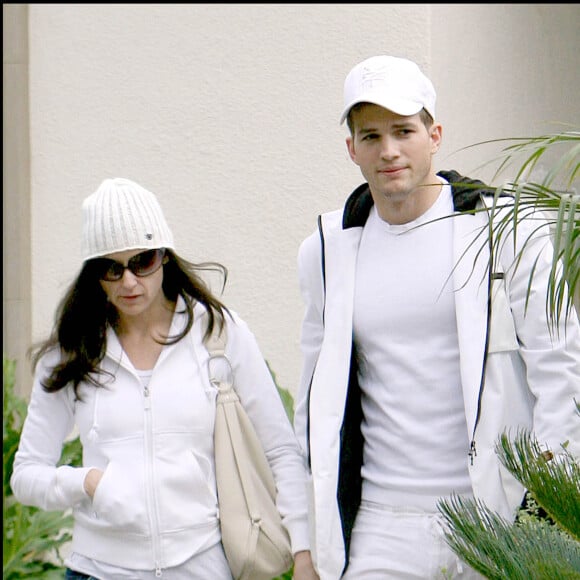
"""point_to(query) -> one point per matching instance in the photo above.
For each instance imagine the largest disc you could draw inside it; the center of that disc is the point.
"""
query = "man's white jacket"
(516, 371)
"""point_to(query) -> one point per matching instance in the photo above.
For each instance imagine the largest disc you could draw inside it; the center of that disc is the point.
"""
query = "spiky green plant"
(532, 549)
(544, 541)
(554, 481)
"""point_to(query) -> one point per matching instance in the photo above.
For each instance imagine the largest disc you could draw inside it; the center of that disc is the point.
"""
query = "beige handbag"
(255, 541)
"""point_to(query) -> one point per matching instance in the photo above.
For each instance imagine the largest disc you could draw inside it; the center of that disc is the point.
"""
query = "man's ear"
(350, 148)
(436, 133)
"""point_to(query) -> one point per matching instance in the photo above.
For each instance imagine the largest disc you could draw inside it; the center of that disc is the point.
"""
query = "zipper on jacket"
(148, 434)
(472, 450)
(147, 399)
(490, 277)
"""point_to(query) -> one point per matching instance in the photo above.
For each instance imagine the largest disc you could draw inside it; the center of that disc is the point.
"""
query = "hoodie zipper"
(490, 278)
(148, 432)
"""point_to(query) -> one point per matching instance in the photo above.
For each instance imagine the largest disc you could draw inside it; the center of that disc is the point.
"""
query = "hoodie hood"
(466, 193)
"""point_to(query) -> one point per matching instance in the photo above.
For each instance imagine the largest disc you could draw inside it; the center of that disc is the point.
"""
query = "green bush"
(32, 537)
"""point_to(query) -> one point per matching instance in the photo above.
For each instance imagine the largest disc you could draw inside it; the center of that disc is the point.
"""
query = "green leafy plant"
(544, 541)
(33, 538)
(546, 170)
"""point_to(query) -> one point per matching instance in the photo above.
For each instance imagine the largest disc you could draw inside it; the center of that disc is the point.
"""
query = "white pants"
(402, 543)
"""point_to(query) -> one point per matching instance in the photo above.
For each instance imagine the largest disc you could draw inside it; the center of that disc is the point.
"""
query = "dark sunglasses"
(142, 264)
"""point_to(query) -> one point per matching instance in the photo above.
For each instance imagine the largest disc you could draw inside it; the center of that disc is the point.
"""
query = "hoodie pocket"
(120, 502)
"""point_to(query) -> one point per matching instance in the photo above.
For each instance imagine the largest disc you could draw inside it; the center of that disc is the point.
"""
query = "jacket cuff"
(299, 535)
(70, 483)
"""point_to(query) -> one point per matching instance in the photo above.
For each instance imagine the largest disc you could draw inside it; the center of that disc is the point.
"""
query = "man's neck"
(413, 205)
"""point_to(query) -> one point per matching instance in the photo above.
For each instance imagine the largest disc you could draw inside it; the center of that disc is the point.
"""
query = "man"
(410, 374)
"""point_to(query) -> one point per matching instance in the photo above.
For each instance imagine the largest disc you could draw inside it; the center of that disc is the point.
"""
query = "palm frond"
(552, 196)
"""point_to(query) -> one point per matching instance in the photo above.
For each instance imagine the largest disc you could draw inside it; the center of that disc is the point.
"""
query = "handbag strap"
(215, 344)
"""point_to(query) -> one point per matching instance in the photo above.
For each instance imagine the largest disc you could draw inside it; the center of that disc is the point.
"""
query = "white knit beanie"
(121, 215)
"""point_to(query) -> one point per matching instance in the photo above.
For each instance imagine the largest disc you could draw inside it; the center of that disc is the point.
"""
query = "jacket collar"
(466, 192)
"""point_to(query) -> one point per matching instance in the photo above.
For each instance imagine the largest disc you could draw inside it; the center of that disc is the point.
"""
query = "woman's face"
(132, 280)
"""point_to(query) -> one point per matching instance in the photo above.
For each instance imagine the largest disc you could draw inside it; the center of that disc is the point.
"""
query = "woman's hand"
(304, 567)
(92, 481)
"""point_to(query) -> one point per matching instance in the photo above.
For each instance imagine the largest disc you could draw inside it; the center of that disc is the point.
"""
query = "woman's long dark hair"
(83, 314)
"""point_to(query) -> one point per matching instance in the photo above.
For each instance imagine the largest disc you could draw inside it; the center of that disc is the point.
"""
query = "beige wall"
(229, 113)
(16, 244)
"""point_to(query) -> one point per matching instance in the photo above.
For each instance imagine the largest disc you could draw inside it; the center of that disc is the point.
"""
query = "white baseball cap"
(391, 82)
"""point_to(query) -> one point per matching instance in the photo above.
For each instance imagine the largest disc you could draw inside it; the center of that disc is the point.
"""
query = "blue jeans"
(74, 575)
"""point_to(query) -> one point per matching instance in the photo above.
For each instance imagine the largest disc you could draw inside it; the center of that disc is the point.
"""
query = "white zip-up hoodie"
(156, 504)
(515, 374)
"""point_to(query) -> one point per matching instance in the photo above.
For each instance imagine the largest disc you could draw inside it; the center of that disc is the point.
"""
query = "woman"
(126, 365)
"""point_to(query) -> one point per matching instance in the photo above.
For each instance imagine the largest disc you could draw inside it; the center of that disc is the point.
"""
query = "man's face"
(393, 152)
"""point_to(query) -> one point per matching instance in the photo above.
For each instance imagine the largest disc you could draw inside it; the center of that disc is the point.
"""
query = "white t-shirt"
(414, 426)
